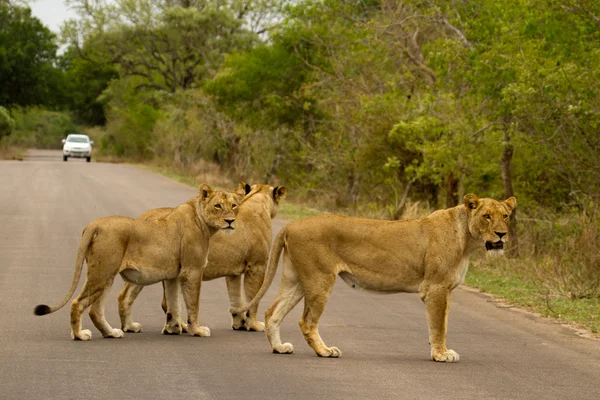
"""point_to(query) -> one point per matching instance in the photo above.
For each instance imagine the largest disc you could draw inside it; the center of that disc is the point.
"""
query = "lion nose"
(230, 221)
(500, 234)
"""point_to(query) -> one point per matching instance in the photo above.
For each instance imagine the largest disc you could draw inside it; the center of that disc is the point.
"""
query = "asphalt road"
(45, 204)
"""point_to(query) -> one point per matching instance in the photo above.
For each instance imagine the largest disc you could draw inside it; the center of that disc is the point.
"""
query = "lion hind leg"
(89, 294)
(290, 293)
(314, 305)
(98, 317)
(126, 298)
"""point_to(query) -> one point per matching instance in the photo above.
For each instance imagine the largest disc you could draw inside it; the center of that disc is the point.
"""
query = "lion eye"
(505, 216)
(234, 206)
(487, 216)
(218, 206)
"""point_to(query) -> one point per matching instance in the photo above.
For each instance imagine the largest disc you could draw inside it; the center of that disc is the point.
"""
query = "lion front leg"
(191, 284)
(253, 279)
(171, 298)
(163, 305)
(437, 304)
(234, 291)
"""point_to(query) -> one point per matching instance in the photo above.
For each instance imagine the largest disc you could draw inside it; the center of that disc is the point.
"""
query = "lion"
(172, 249)
(429, 256)
(242, 253)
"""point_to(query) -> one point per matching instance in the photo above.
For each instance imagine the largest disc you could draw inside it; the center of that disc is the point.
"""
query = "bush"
(7, 124)
(570, 266)
(40, 128)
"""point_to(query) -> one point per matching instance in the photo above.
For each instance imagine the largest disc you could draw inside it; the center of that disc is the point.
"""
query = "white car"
(78, 146)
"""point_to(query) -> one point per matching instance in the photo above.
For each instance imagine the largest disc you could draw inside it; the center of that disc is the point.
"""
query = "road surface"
(44, 205)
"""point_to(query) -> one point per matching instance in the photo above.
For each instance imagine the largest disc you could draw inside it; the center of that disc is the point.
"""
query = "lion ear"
(511, 203)
(471, 201)
(205, 191)
(242, 190)
(279, 193)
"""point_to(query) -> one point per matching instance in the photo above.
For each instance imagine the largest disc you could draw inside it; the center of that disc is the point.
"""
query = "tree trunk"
(451, 191)
(507, 154)
(353, 187)
(177, 156)
(400, 206)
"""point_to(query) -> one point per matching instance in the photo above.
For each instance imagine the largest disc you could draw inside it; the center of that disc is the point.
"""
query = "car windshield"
(77, 139)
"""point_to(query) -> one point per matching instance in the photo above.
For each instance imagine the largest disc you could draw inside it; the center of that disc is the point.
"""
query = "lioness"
(171, 249)
(244, 252)
(428, 256)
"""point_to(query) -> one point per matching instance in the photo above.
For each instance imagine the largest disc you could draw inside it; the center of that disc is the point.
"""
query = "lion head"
(219, 208)
(489, 220)
(276, 194)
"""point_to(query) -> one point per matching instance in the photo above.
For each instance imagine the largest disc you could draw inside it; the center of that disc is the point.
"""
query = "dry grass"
(571, 266)
(557, 273)
(200, 172)
(11, 152)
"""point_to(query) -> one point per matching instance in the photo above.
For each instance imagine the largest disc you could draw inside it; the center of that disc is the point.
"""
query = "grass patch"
(289, 210)
(12, 152)
(169, 173)
(204, 173)
(512, 281)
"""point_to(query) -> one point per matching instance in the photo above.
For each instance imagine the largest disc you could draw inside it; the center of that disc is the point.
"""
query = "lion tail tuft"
(42, 309)
(86, 240)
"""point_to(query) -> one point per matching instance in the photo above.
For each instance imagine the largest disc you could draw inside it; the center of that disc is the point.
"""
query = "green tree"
(7, 123)
(27, 54)
(85, 81)
(168, 45)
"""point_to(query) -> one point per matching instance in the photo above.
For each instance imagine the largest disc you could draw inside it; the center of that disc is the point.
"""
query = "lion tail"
(274, 256)
(86, 240)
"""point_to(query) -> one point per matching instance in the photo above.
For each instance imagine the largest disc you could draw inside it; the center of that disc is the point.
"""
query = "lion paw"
(134, 327)
(238, 322)
(184, 327)
(115, 333)
(239, 326)
(172, 329)
(332, 352)
(256, 326)
(449, 356)
(84, 334)
(286, 348)
(202, 331)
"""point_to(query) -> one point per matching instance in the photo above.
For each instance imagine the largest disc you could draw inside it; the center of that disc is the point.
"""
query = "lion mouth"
(499, 245)
(228, 229)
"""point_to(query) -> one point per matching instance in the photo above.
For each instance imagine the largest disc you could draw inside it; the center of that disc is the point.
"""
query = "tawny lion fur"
(428, 256)
(242, 253)
(172, 249)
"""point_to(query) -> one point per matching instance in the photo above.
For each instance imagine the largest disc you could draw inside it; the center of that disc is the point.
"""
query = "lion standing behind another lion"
(172, 249)
(242, 253)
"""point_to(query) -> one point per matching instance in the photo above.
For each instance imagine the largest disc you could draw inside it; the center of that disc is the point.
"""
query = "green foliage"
(7, 123)
(131, 119)
(27, 52)
(85, 81)
(41, 128)
(356, 102)
(167, 46)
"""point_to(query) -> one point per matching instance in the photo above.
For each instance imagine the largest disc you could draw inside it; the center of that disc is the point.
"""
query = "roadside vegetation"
(379, 108)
